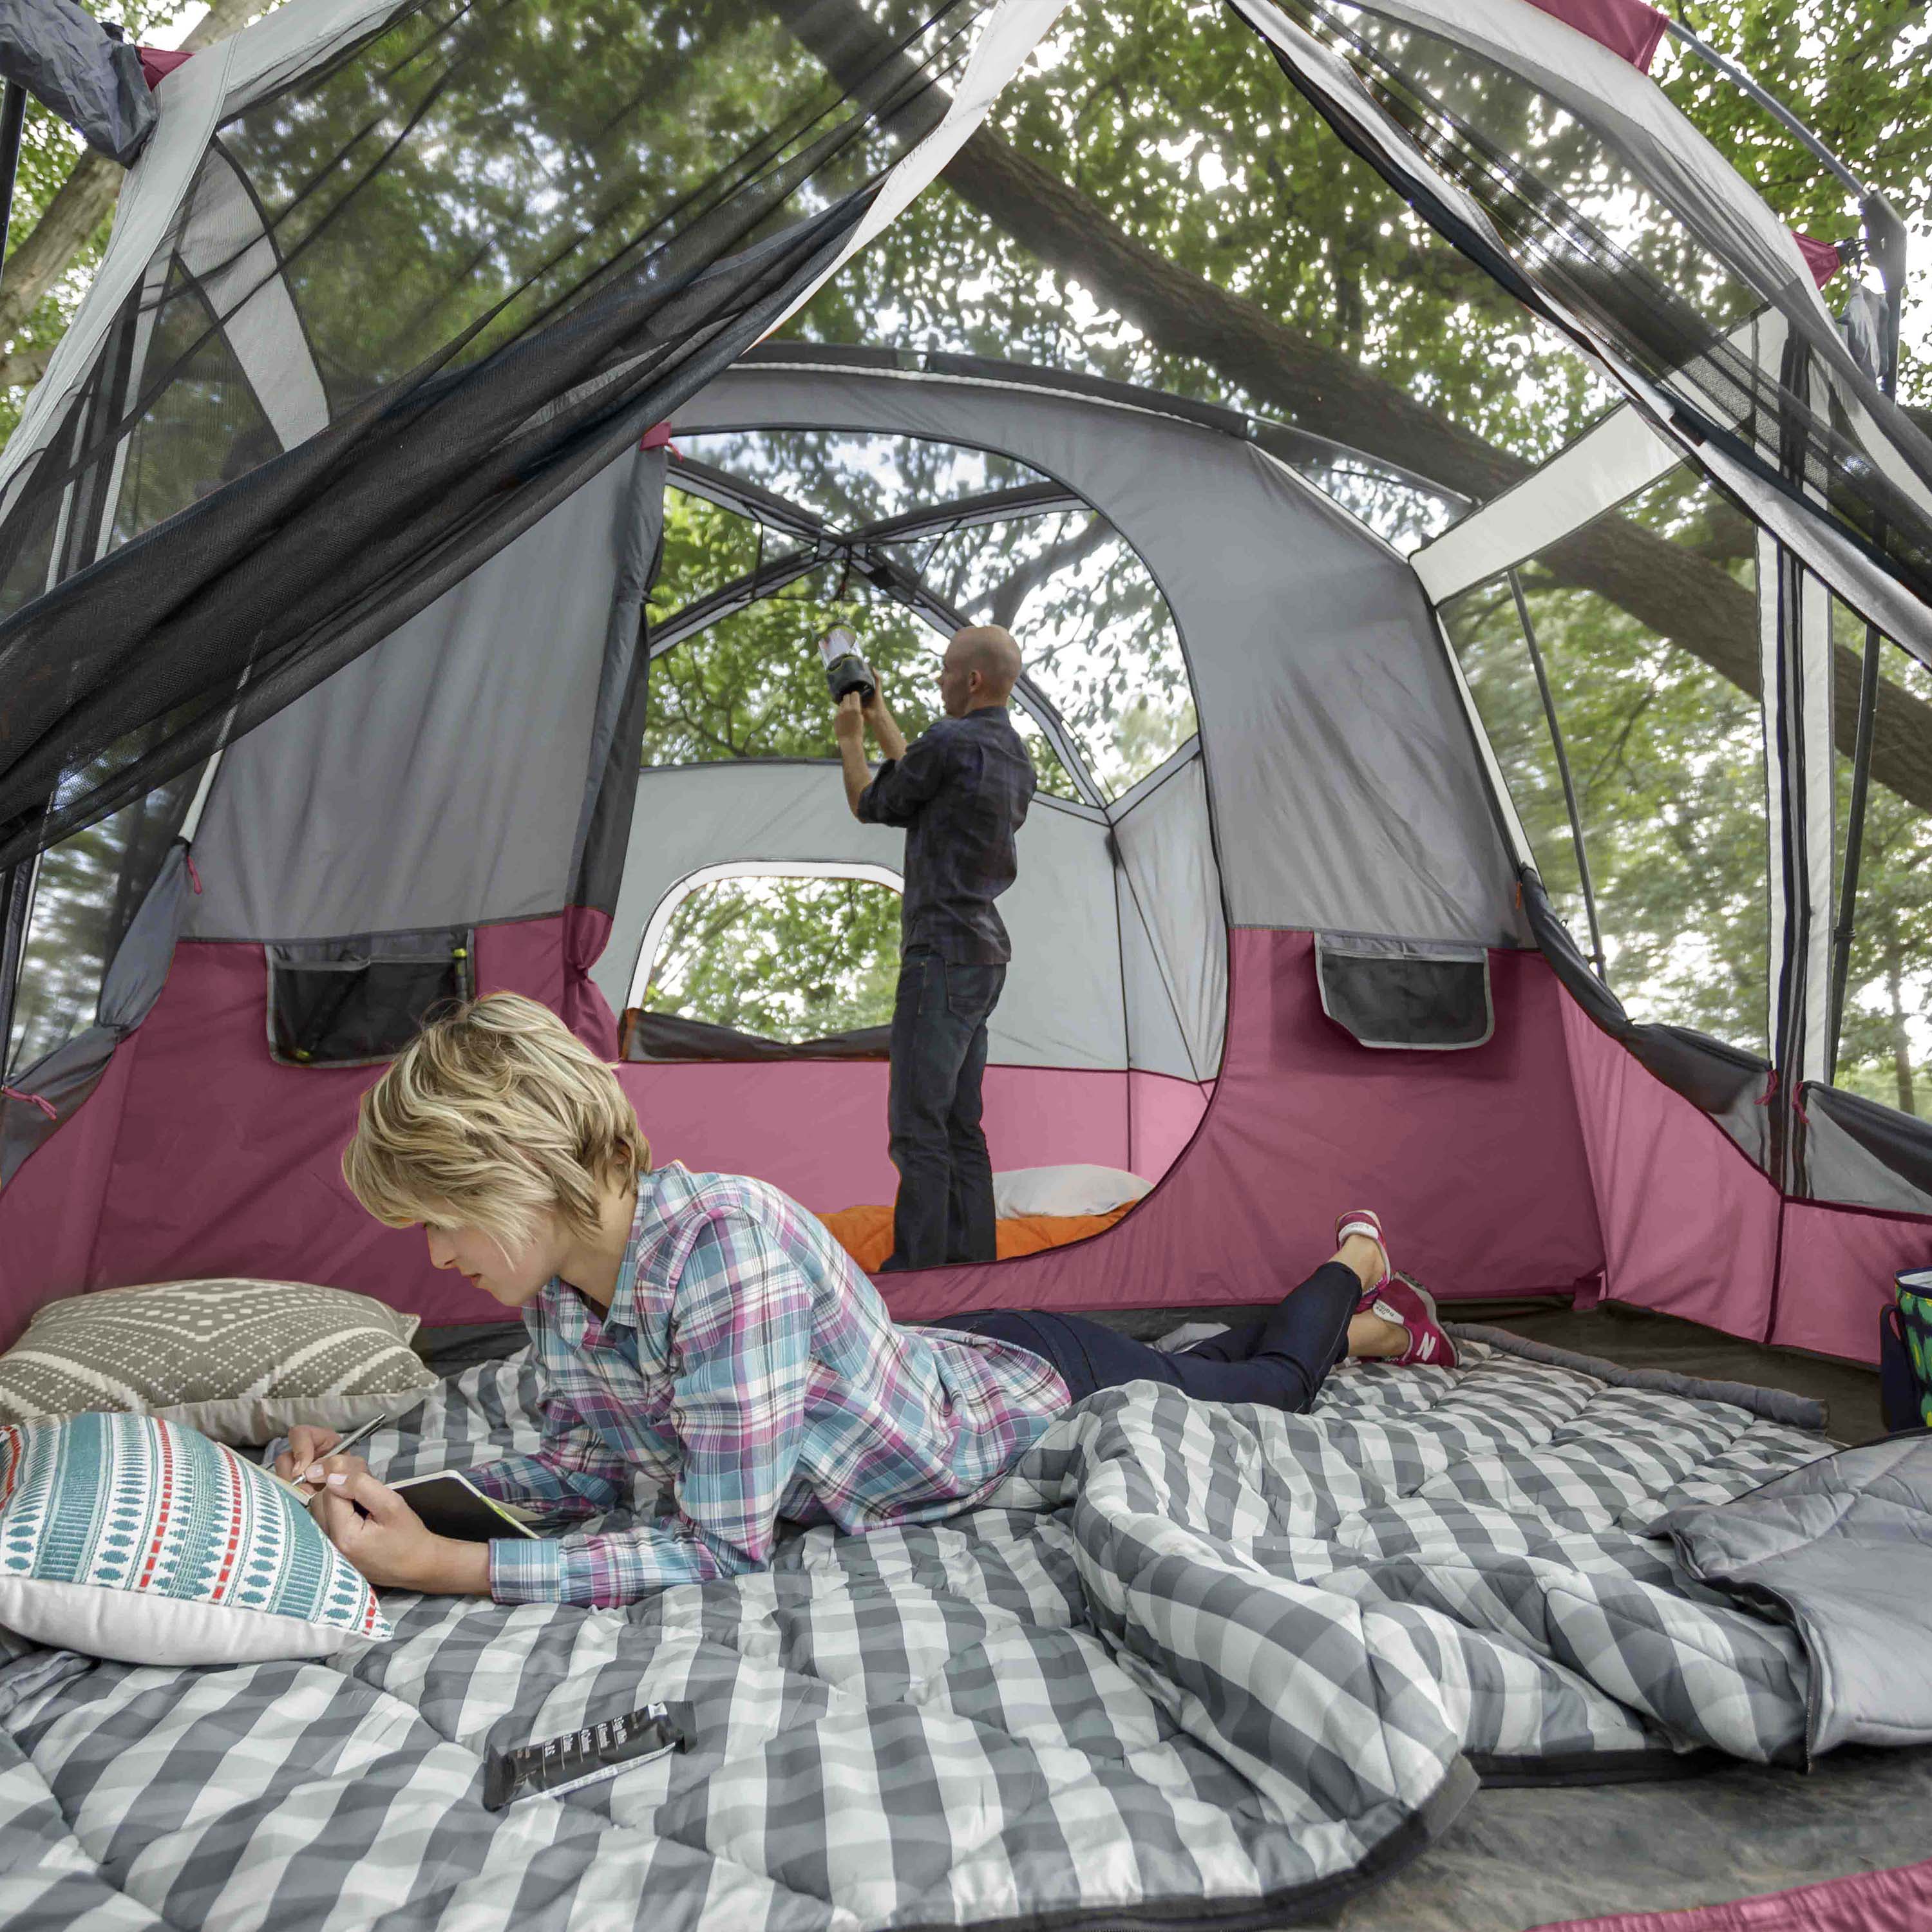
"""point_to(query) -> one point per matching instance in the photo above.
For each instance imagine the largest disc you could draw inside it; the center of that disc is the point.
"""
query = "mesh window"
(1670, 290)
(1665, 742)
(1098, 636)
(787, 959)
(205, 428)
(87, 892)
(356, 1002)
(1152, 202)
(752, 685)
(1885, 1047)
(1099, 641)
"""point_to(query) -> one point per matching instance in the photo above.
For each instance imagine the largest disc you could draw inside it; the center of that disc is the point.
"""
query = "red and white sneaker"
(1411, 1306)
(1365, 1221)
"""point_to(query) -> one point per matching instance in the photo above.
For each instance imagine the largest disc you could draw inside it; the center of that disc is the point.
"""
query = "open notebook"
(448, 1503)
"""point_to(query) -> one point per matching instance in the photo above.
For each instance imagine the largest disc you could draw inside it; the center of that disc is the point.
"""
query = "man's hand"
(386, 1540)
(848, 722)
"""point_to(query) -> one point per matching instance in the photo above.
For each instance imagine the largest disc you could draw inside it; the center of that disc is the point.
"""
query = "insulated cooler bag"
(1905, 1353)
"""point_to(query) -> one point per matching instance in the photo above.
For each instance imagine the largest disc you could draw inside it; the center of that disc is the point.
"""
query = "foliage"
(1667, 761)
(1175, 123)
(1096, 631)
(789, 959)
(48, 148)
(1666, 758)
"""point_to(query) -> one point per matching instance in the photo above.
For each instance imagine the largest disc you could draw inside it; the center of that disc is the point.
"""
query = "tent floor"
(1521, 1858)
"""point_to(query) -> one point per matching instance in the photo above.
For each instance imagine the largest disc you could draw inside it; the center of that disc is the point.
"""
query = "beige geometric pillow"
(241, 1361)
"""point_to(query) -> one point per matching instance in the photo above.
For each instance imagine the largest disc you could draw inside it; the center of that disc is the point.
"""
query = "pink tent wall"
(1546, 1158)
(1692, 1227)
(199, 1155)
(1474, 1159)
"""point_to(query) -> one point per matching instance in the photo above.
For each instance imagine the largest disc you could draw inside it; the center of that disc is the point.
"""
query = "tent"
(331, 645)
(432, 453)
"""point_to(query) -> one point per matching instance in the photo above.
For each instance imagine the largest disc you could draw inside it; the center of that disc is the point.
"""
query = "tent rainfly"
(337, 609)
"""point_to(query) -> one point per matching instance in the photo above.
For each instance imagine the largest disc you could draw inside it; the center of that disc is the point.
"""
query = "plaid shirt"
(961, 791)
(747, 1367)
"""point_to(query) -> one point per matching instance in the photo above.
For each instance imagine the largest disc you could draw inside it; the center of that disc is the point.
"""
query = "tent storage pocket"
(1407, 994)
(356, 1002)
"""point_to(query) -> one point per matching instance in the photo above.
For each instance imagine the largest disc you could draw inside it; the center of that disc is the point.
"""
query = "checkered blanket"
(1187, 1659)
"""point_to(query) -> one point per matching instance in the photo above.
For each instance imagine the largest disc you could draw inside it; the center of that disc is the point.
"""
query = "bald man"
(962, 792)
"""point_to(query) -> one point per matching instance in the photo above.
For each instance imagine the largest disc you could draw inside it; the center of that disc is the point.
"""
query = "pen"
(354, 1436)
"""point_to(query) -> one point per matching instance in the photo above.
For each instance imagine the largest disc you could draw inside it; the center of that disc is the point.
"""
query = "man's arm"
(848, 727)
(885, 726)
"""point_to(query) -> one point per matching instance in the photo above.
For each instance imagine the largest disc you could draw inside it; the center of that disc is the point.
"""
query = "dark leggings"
(1279, 1362)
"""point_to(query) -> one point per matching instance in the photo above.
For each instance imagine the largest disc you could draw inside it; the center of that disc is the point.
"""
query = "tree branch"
(1671, 590)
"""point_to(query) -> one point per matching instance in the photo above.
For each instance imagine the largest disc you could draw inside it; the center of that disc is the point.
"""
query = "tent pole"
(1770, 103)
(1891, 267)
(13, 120)
(1563, 771)
(1855, 832)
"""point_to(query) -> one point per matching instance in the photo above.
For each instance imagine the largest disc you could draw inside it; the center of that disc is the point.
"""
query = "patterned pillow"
(125, 1536)
(242, 1361)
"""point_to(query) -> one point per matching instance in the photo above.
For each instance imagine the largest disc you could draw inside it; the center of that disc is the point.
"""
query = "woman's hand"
(386, 1540)
(308, 1445)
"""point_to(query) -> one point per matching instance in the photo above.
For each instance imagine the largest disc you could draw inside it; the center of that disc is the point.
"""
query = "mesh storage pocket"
(1407, 994)
(356, 1002)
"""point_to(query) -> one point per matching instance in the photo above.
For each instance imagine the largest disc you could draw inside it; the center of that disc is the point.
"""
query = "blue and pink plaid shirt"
(747, 1368)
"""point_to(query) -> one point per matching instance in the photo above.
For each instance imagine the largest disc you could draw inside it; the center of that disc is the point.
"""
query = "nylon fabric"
(1061, 1006)
(1301, 633)
(1187, 1653)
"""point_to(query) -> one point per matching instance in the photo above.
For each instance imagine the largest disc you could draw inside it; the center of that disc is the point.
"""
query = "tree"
(62, 201)
(791, 959)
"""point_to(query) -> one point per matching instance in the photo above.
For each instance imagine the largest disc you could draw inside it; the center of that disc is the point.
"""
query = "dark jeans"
(944, 1212)
(1279, 1362)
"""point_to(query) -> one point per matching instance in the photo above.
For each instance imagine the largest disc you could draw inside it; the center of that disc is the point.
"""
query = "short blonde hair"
(494, 1117)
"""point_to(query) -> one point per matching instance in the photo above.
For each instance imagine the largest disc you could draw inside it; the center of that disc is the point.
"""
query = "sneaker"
(1410, 1306)
(1365, 1221)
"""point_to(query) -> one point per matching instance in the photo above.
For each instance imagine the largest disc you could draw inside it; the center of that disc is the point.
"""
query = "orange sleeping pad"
(866, 1233)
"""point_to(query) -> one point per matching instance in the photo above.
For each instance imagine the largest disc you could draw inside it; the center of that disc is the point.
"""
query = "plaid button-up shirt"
(961, 791)
(747, 1366)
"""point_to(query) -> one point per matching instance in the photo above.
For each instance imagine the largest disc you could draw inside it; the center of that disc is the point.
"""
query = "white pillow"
(123, 1536)
(239, 1359)
(1078, 1189)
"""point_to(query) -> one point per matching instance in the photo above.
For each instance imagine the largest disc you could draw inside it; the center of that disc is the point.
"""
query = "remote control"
(602, 1751)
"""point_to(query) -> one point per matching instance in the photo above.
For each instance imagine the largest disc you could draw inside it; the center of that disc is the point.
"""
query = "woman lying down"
(704, 1331)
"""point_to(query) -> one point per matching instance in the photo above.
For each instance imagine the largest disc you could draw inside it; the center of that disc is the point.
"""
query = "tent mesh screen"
(1684, 301)
(410, 303)
(1664, 737)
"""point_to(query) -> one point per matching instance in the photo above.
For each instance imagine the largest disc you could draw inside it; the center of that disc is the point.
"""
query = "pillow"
(124, 1536)
(1079, 1189)
(242, 1361)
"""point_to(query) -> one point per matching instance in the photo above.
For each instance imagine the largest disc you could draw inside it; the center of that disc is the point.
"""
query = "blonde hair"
(494, 1117)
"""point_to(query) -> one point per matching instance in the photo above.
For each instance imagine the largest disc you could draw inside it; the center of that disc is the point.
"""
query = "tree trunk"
(1672, 591)
(1901, 1039)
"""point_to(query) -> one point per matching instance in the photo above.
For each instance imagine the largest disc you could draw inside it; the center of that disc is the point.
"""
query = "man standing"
(962, 792)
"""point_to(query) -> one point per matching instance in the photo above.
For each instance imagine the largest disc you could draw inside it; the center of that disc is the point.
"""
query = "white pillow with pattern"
(237, 1360)
(125, 1537)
